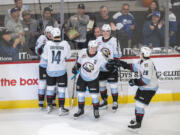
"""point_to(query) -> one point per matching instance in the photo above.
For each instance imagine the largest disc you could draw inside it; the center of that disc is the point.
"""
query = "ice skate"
(96, 113)
(41, 107)
(54, 105)
(63, 111)
(134, 126)
(49, 109)
(79, 113)
(103, 104)
(115, 106)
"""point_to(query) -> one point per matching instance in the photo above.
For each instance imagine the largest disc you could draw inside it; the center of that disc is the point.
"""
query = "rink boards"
(19, 83)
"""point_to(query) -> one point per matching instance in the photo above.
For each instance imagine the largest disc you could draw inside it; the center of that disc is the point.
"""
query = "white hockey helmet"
(146, 51)
(106, 27)
(92, 44)
(48, 29)
(56, 32)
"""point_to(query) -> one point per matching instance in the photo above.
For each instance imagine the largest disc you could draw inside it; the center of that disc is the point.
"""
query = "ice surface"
(160, 119)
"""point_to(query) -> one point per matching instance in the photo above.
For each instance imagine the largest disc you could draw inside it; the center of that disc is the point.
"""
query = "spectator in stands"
(153, 31)
(176, 11)
(173, 27)
(18, 4)
(30, 28)
(104, 18)
(9, 48)
(90, 27)
(14, 25)
(125, 25)
(79, 23)
(47, 20)
(97, 32)
(154, 6)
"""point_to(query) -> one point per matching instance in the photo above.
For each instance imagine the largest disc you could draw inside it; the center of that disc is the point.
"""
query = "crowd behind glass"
(21, 29)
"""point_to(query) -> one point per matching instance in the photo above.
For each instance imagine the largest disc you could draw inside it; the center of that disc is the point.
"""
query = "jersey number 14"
(56, 56)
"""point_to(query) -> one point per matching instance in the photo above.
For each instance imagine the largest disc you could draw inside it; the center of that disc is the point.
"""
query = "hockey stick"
(74, 87)
(74, 83)
(74, 76)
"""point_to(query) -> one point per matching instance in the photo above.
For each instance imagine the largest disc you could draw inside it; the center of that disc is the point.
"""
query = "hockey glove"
(122, 64)
(112, 68)
(131, 82)
(74, 70)
(118, 63)
(114, 63)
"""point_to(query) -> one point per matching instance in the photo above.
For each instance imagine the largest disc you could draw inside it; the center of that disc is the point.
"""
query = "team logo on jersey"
(106, 52)
(89, 67)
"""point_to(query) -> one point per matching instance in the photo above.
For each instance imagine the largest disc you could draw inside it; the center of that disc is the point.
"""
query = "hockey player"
(108, 46)
(89, 62)
(147, 84)
(55, 53)
(41, 41)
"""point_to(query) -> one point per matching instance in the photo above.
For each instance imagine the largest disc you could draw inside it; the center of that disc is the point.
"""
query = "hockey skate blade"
(135, 131)
(49, 111)
(114, 110)
(97, 119)
(63, 114)
(103, 108)
(81, 116)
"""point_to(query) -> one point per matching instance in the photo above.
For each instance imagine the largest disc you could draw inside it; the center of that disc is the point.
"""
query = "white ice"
(160, 119)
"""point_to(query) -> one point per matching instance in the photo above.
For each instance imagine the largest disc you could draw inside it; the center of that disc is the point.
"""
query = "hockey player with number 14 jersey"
(55, 54)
